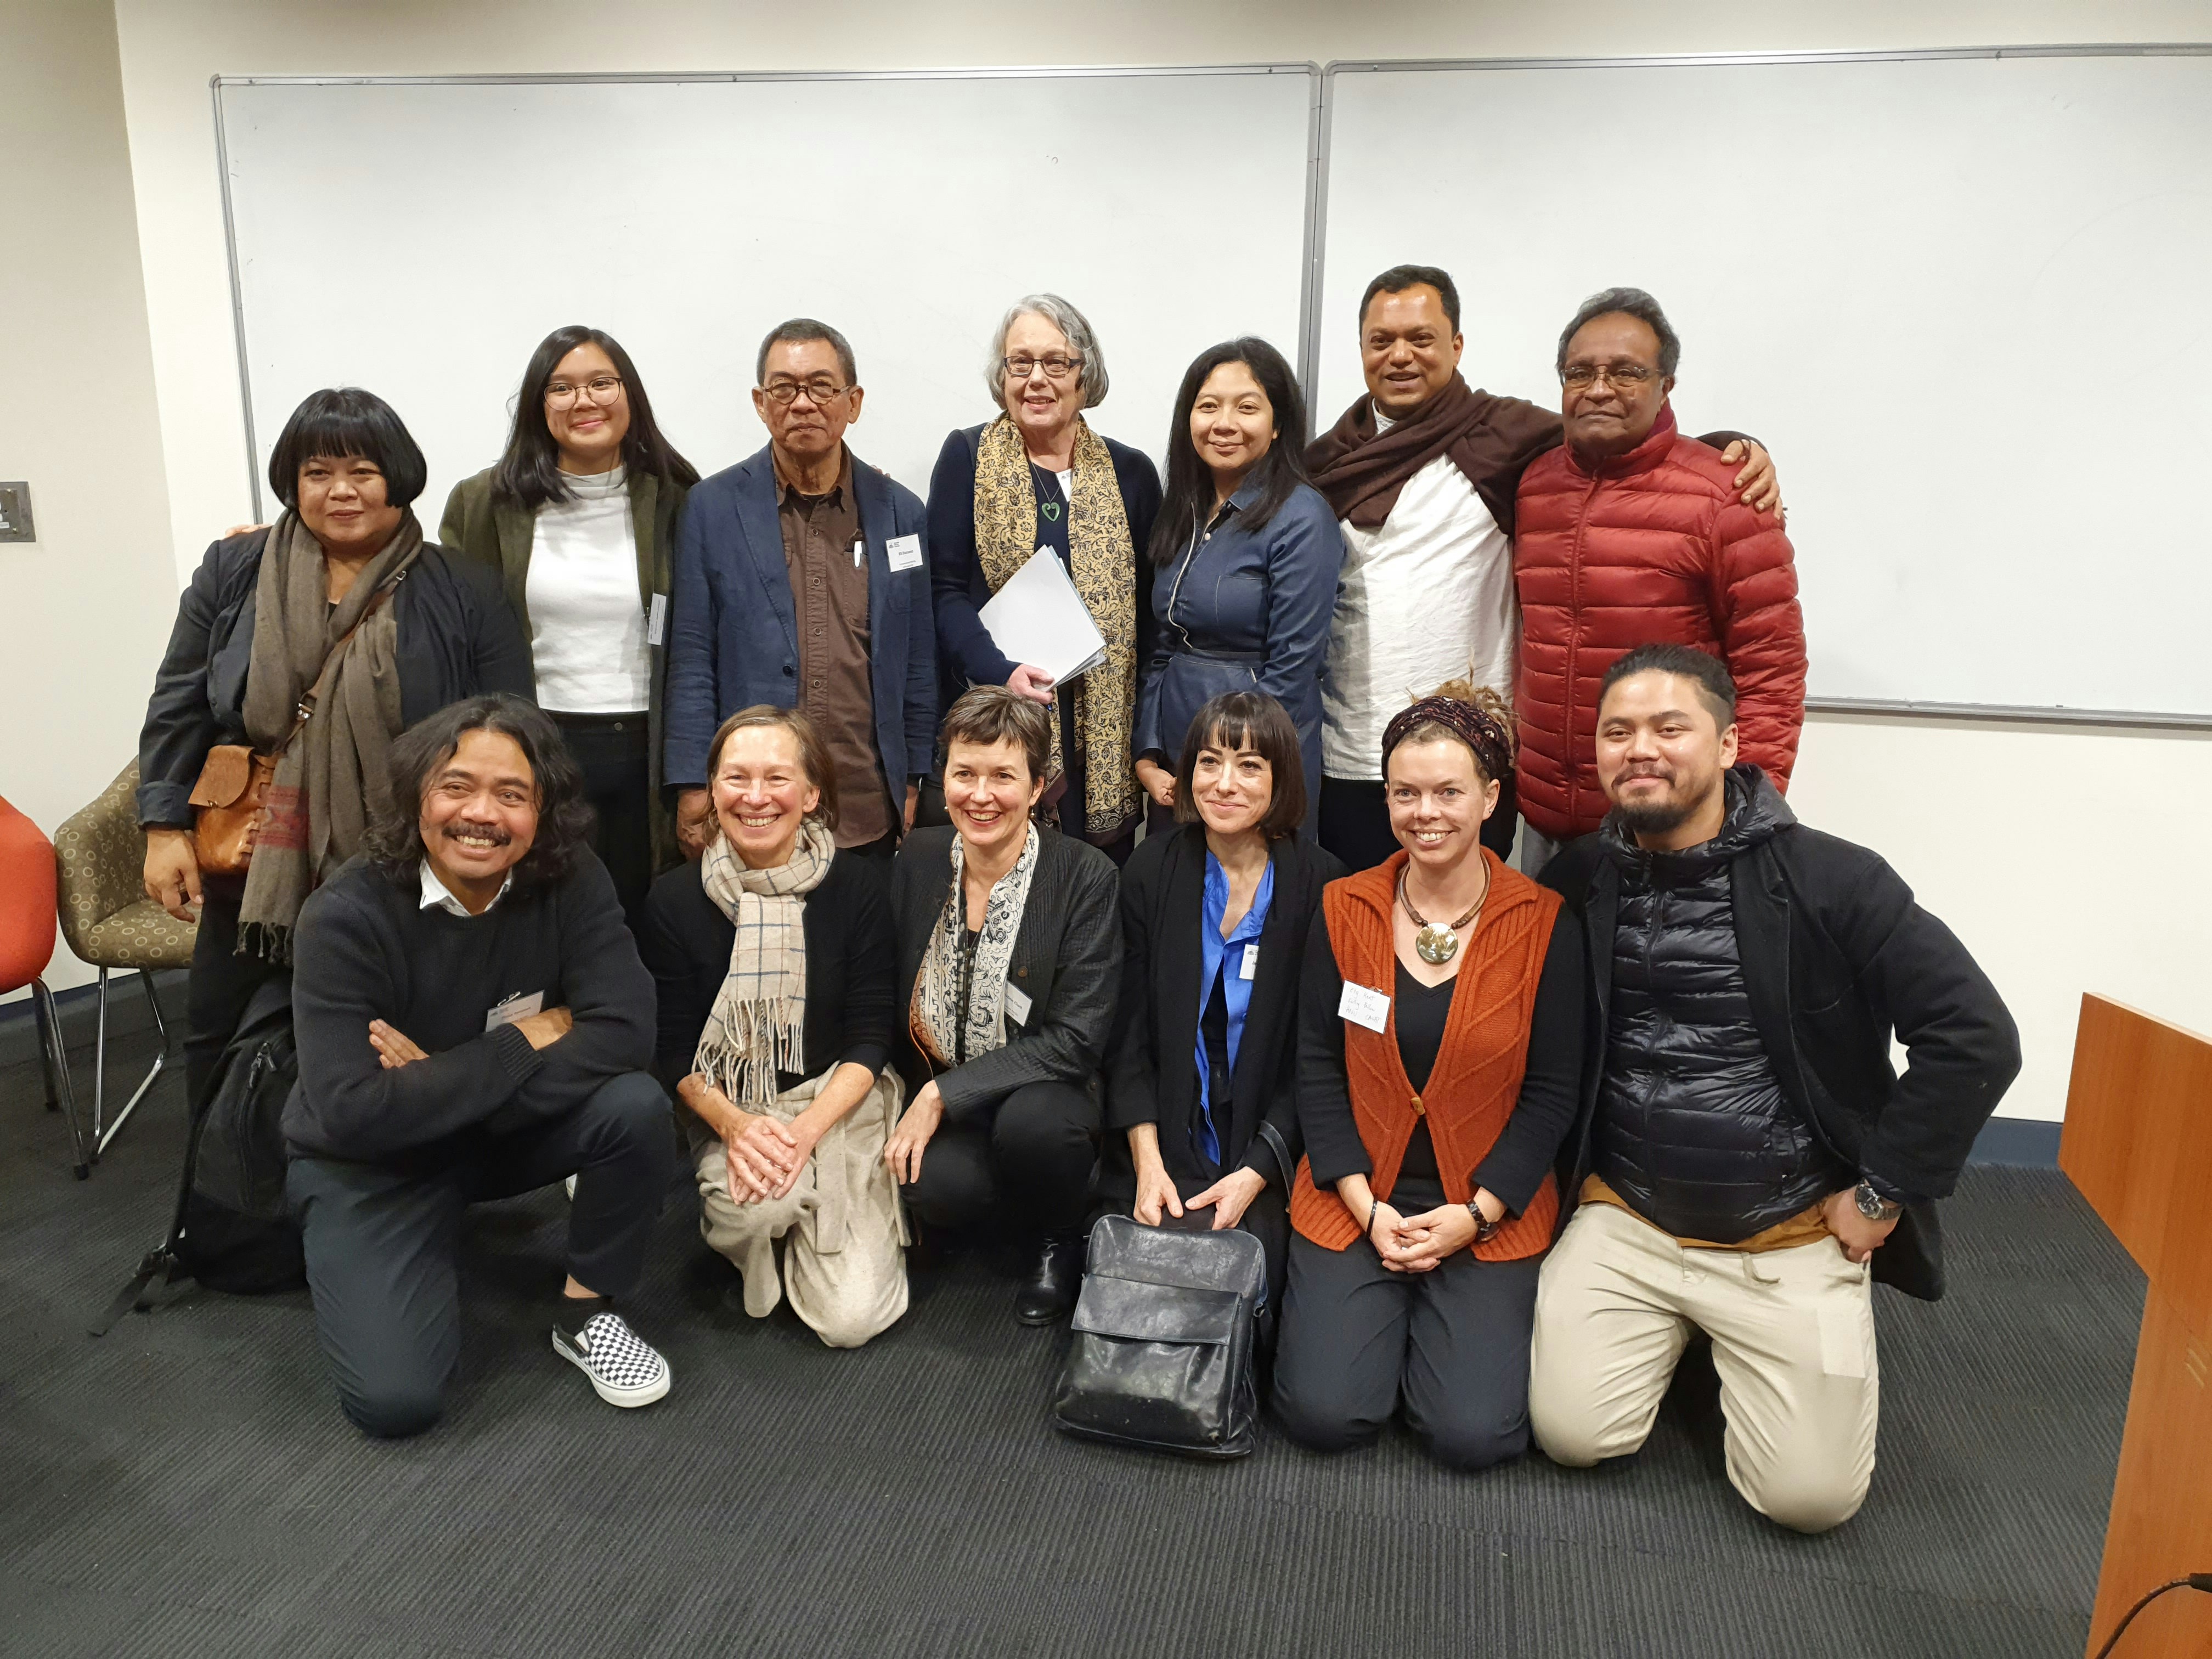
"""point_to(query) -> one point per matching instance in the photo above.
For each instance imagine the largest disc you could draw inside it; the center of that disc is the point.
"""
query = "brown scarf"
(337, 770)
(1490, 440)
(1103, 561)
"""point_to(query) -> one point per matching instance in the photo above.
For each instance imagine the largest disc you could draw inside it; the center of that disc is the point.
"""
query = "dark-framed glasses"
(1055, 367)
(784, 392)
(1625, 377)
(601, 389)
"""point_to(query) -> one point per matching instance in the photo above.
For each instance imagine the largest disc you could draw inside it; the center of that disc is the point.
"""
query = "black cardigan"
(1153, 1076)
(457, 637)
(1551, 1085)
(851, 966)
(1067, 958)
(1837, 957)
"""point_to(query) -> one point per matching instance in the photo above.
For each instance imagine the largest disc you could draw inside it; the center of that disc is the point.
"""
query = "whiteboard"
(1962, 298)
(420, 237)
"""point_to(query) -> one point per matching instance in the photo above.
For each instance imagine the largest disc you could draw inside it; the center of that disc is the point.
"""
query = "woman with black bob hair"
(341, 601)
(1200, 1079)
(578, 517)
(1247, 551)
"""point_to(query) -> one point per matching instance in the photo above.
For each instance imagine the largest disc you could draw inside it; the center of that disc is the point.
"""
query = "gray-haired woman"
(1038, 475)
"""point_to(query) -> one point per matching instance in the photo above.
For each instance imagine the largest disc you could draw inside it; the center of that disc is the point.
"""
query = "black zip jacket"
(1836, 957)
(457, 637)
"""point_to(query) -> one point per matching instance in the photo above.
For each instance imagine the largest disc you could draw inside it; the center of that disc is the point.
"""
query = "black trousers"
(382, 1245)
(1029, 1164)
(1355, 822)
(1451, 1344)
(222, 983)
(614, 753)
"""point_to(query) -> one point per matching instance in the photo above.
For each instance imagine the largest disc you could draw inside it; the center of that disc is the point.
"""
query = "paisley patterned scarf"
(1103, 561)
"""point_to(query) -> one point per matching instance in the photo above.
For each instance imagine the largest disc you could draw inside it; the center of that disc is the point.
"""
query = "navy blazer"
(733, 629)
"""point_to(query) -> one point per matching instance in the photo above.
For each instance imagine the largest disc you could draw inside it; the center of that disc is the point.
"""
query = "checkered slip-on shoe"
(624, 1367)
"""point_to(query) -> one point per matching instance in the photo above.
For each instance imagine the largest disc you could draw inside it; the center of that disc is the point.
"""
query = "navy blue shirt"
(1244, 609)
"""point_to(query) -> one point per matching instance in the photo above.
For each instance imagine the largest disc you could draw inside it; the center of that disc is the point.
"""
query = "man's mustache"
(491, 832)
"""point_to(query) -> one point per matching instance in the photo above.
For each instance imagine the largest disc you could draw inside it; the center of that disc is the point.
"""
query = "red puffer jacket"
(1650, 545)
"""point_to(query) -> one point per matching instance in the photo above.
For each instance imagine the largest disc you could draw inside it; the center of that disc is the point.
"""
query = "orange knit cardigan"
(1476, 1081)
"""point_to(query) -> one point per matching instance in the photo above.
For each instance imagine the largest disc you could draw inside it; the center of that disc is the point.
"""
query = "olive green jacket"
(480, 524)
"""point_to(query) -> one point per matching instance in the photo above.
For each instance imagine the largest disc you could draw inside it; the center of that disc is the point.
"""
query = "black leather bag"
(1162, 1354)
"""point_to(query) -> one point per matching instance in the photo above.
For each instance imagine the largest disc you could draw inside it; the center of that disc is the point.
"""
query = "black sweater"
(852, 967)
(1551, 1087)
(367, 950)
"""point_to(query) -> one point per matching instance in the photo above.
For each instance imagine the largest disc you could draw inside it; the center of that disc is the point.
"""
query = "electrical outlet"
(15, 513)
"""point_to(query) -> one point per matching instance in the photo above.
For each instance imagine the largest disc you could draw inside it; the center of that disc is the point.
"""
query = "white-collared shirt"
(436, 892)
(1425, 598)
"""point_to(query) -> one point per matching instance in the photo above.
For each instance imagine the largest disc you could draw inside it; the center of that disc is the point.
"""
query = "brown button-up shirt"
(829, 568)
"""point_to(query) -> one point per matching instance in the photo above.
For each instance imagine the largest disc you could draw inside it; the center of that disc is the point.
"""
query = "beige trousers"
(844, 1259)
(1792, 1342)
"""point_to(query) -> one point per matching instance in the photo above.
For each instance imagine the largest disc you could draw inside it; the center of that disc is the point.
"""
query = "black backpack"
(1162, 1355)
(231, 1229)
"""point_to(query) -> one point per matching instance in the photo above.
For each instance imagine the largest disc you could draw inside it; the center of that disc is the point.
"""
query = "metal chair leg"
(161, 1060)
(56, 1053)
(100, 1069)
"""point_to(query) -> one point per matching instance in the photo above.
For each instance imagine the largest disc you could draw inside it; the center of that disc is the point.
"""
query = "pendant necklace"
(1439, 945)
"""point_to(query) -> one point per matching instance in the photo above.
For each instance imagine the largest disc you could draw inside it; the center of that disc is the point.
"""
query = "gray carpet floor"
(186, 1486)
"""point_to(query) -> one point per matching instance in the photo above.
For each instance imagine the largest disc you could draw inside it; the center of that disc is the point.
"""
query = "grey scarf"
(339, 769)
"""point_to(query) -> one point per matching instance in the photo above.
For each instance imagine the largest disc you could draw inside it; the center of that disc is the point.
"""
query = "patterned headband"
(1478, 728)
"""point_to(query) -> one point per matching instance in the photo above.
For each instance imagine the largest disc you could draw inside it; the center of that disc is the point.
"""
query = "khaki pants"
(1792, 1342)
(844, 1262)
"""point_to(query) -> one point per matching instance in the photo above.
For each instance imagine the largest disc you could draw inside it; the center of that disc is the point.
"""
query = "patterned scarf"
(1103, 561)
(758, 1026)
(935, 1019)
(339, 771)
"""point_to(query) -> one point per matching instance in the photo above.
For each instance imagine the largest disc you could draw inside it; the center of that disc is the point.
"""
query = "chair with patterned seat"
(27, 945)
(112, 925)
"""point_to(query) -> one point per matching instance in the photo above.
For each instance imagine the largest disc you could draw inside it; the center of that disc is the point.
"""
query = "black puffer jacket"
(1838, 961)
(1693, 1128)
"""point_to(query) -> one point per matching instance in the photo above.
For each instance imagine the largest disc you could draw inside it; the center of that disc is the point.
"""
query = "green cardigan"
(479, 524)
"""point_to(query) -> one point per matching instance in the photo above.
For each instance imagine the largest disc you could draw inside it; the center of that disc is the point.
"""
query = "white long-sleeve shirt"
(587, 628)
(1426, 597)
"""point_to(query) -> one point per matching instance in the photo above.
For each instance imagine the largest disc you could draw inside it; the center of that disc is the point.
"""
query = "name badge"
(656, 620)
(905, 552)
(1251, 965)
(1363, 1007)
(517, 1006)
(1018, 1004)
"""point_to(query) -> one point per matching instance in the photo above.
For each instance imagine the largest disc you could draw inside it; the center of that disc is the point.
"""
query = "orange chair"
(27, 945)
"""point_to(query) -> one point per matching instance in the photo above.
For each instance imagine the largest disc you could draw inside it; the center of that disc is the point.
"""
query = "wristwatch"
(1872, 1206)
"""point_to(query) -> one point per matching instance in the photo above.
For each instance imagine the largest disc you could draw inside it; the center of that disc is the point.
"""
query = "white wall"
(1984, 820)
(83, 609)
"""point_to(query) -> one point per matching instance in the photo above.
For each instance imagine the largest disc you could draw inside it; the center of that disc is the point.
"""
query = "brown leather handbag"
(233, 790)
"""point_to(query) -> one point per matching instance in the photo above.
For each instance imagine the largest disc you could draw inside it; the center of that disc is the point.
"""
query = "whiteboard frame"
(1309, 351)
(1316, 130)
(1320, 123)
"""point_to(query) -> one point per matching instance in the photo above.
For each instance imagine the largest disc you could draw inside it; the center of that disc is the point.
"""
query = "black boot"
(1048, 1294)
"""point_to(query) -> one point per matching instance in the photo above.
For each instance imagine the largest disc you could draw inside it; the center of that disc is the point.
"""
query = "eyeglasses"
(1055, 367)
(820, 390)
(1625, 377)
(603, 389)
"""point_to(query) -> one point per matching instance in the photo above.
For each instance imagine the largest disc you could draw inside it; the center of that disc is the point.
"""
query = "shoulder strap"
(1280, 1148)
(316, 692)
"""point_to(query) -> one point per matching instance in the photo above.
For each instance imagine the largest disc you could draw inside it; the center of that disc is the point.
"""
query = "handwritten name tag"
(1251, 963)
(1365, 1008)
(656, 620)
(905, 552)
(1018, 1004)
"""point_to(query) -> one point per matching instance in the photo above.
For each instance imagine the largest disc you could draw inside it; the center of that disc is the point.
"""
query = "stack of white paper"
(1039, 618)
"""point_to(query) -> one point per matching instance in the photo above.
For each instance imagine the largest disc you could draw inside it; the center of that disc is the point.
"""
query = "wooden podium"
(2138, 1142)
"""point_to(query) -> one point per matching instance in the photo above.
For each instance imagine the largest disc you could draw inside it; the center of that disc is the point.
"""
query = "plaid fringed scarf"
(758, 1026)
